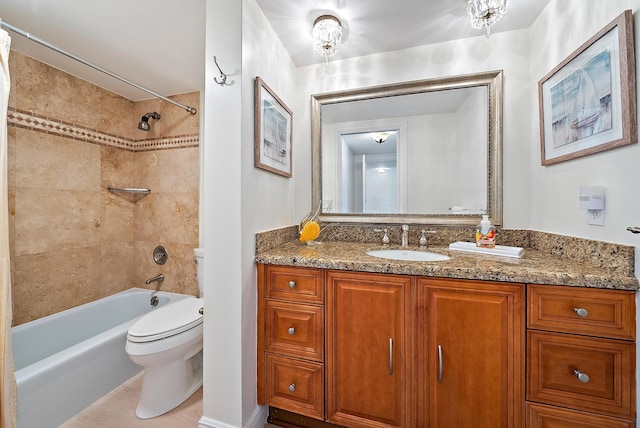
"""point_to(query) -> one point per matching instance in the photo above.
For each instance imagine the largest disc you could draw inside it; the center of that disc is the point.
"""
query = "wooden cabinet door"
(470, 354)
(369, 358)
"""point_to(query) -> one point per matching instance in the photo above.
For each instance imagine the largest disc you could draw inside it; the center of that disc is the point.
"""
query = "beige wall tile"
(49, 92)
(75, 276)
(117, 268)
(178, 219)
(145, 218)
(47, 161)
(116, 217)
(30, 287)
(55, 220)
(117, 167)
(176, 170)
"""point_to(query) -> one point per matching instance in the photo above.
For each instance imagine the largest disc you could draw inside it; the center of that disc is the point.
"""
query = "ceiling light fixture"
(380, 137)
(484, 13)
(327, 35)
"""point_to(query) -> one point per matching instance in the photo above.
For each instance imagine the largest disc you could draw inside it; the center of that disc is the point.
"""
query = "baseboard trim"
(257, 420)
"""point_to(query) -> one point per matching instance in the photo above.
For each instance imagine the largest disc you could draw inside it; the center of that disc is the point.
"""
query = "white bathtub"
(68, 360)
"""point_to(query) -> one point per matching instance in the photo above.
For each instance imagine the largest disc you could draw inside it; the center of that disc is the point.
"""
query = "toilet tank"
(199, 253)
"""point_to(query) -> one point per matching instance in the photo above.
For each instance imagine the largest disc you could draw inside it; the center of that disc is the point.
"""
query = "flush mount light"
(484, 13)
(327, 35)
(380, 137)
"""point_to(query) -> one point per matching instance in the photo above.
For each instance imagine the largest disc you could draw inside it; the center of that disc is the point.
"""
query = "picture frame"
(273, 131)
(588, 102)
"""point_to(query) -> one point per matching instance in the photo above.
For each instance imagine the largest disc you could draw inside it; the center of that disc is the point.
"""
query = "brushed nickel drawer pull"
(390, 356)
(582, 376)
(292, 387)
(439, 363)
(582, 312)
(291, 331)
(292, 284)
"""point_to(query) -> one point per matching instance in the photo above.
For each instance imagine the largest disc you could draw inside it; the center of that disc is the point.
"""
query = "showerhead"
(144, 122)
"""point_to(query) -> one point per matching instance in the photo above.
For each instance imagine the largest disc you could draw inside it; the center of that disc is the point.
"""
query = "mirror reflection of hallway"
(368, 176)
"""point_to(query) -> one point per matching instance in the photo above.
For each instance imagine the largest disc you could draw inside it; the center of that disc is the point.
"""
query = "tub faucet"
(405, 235)
(157, 278)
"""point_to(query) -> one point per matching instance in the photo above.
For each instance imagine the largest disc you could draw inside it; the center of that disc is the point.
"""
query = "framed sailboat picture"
(588, 102)
(273, 131)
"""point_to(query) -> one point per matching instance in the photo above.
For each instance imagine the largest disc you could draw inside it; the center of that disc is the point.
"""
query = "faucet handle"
(385, 238)
(423, 239)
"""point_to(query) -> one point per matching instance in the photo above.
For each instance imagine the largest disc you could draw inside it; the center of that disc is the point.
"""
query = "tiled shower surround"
(71, 240)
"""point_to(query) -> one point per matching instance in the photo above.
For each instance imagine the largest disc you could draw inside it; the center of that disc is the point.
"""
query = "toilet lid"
(167, 320)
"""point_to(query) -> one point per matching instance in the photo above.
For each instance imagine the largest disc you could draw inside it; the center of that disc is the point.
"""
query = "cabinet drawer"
(592, 312)
(539, 416)
(555, 362)
(295, 329)
(295, 385)
(297, 284)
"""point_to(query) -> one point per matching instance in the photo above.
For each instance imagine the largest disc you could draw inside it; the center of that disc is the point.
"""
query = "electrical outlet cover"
(595, 217)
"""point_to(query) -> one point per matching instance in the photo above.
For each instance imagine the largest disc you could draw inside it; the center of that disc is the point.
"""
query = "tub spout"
(157, 278)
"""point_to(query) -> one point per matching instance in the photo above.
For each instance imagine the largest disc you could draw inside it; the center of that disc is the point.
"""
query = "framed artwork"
(588, 102)
(273, 130)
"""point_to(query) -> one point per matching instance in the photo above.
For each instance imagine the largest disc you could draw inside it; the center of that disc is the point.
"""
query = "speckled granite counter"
(537, 266)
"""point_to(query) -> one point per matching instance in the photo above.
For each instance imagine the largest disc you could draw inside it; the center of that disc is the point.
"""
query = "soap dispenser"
(485, 233)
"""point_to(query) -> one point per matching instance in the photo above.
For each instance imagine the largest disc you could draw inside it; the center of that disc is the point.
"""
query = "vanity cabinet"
(291, 339)
(369, 343)
(354, 349)
(580, 357)
(470, 338)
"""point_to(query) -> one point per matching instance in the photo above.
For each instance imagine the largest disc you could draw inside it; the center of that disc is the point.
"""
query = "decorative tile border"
(27, 120)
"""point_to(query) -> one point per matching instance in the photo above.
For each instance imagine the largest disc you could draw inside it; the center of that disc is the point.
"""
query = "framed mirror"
(426, 152)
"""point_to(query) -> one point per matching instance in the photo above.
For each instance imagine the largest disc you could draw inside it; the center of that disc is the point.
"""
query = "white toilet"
(167, 342)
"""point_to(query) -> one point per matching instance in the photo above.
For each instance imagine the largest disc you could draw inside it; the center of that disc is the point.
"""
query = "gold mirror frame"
(492, 80)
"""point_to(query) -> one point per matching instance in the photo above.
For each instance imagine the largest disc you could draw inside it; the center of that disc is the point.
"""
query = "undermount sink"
(408, 255)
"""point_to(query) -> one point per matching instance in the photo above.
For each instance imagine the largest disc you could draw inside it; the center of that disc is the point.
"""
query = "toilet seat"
(166, 321)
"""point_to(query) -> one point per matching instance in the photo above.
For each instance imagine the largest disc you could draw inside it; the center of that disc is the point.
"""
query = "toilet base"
(166, 386)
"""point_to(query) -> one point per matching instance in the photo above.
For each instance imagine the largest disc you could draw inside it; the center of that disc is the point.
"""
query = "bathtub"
(66, 361)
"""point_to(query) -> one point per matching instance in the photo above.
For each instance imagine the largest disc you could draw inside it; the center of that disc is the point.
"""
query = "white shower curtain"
(7, 380)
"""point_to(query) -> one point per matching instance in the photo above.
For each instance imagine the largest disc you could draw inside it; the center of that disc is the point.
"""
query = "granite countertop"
(534, 267)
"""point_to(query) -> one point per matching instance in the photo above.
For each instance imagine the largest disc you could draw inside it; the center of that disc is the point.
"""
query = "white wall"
(238, 200)
(563, 27)
(223, 389)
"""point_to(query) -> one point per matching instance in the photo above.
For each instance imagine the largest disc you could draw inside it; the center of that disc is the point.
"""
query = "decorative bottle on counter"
(485, 234)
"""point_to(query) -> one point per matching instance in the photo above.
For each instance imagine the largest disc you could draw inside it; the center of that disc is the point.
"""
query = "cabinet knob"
(291, 331)
(582, 377)
(292, 284)
(292, 387)
(582, 312)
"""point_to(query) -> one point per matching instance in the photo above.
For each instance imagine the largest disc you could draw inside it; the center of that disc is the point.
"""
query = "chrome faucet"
(157, 278)
(405, 235)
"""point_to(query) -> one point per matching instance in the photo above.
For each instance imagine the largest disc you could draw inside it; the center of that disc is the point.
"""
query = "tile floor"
(117, 410)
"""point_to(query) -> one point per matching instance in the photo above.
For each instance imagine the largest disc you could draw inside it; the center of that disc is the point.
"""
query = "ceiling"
(159, 44)
(372, 26)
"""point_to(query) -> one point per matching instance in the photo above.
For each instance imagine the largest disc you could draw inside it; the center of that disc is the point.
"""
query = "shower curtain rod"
(94, 66)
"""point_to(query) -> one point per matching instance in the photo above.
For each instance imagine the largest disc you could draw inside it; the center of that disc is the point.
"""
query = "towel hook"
(223, 76)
